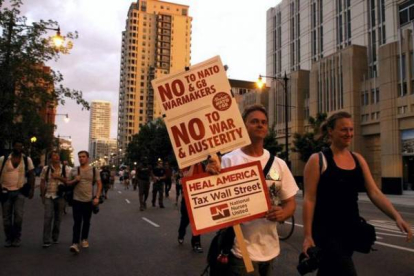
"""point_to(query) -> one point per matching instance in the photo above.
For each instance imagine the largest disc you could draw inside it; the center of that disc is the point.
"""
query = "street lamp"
(285, 79)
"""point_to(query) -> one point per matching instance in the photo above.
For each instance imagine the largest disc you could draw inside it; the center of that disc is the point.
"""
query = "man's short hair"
(252, 108)
(17, 141)
(53, 152)
(85, 152)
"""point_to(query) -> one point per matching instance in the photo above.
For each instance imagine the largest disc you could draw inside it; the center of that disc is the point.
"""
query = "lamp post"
(285, 79)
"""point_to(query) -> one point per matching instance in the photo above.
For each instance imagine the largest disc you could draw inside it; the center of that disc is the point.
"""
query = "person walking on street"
(158, 175)
(330, 207)
(83, 179)
(184, 219)
(134, 178)
(126, 176)
(178, 186)
(261, 234)
(106, 180)
(143, 177)
(168, 180)
(52, 177)
(14, 171)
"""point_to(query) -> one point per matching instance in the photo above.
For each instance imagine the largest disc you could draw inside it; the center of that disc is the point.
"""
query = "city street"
(125, 241)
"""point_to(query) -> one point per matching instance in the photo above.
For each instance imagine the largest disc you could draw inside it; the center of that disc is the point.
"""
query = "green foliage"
(271, 144)
(310, 142)
(152, 142)
(65, 156)
(26, 87)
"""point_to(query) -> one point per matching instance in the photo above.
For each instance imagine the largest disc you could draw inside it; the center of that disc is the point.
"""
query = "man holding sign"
(261, 235)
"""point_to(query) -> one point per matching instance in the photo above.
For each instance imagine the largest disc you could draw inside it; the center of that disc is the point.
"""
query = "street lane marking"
(392, 235)
(395, 246)
(150, 222)
(127, 201)
(119, 192)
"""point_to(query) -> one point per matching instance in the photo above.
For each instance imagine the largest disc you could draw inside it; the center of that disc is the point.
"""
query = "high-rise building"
(100, 123)
(347, 55)
(156, 42)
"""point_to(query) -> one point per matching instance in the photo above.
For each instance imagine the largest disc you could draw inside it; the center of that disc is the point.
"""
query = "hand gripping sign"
(238, 194)
(201, 116)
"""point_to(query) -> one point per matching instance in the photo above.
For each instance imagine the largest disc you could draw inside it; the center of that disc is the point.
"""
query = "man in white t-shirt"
(52, 177)
(14, 171)
(260, 235)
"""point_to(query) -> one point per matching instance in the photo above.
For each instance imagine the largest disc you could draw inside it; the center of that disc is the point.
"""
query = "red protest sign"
(236, 195)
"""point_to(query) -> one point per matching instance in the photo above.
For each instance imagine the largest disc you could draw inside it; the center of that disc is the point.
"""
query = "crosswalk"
(387, 228)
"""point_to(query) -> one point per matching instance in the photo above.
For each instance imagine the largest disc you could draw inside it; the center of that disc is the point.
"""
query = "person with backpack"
(106, 180)
(52, 181)
(143, 176)
(15, 170)
(261, 235)
(83, 178)
(158, 176)
(331, 218)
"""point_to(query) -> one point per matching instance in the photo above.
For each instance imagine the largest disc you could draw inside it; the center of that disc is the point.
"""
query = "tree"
(310, 142)
(152, 142)
(271, 144)
(27, 86)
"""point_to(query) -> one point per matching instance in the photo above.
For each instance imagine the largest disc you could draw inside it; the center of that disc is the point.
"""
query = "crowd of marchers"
(332, 180)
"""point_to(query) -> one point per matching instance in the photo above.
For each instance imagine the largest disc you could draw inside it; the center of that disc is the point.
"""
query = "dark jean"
(82, 213)
(184, 222)
(158, 187)
(237, 267)
(52, 219)
(143, 191)
(167, 186)
(13, 210)
(336, 257)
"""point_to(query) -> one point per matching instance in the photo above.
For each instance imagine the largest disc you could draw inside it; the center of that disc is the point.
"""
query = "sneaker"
(180, 241)
(46, 244)
(198, 249)
(8, 243)
(74, 248)
(16, 243)
(85, 243)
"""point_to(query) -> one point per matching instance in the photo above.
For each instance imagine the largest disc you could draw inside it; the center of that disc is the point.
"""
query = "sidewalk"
(406, 199)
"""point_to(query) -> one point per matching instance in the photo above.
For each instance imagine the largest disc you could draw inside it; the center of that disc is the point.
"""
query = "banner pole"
(240, 240)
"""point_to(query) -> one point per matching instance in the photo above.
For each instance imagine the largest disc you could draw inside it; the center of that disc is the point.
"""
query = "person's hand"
(307, 243)
(405, 228)
(214, 165)
(95, 201)
(77, 178)
(276, 213)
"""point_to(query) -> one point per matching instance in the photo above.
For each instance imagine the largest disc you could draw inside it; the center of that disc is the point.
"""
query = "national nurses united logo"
(220, 211)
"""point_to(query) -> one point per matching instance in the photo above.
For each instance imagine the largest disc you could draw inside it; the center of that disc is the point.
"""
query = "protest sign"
(236, 195)
(200, 114)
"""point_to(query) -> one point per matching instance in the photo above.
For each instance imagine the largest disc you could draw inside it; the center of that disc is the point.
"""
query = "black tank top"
(337, 198)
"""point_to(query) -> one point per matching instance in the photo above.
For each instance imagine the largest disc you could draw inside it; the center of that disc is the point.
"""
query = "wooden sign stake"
(240, 240)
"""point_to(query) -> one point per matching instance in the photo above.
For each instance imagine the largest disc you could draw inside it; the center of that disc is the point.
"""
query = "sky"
(233, 29)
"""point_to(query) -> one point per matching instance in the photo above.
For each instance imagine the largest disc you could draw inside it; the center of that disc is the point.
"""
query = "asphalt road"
(125, 241)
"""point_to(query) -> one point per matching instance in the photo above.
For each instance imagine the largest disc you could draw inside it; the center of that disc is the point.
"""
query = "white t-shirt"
(13, 178)
(260, 234)
(52, 185)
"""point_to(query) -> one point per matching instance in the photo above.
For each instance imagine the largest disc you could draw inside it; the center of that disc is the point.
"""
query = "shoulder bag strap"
(47, 174)
(268, 165)
(25, 164)
(2, 165)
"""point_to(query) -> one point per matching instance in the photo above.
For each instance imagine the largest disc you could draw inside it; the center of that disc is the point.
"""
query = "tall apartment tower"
(347, 55)
(100, 122)
(156, 42)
